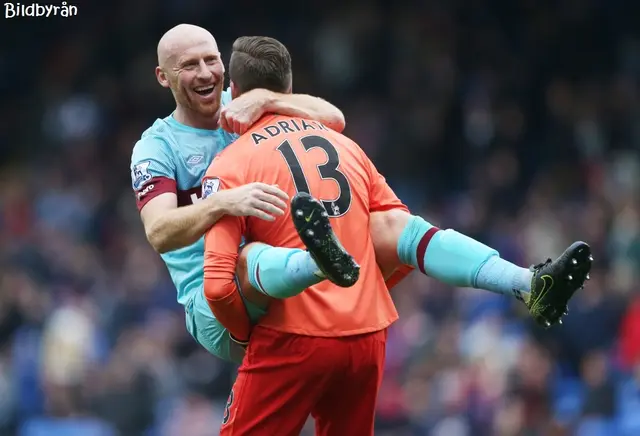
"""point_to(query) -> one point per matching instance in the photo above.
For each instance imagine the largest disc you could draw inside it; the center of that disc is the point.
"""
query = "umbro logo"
(195, 159)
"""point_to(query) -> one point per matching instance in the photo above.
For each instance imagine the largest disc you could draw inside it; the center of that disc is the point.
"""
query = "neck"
(191, 118)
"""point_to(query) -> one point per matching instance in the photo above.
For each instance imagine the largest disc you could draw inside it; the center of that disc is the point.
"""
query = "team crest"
(140, 174)
(210, 186)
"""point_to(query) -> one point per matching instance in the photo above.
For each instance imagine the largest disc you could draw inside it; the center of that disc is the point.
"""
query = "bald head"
(179, 39)
(189, 64)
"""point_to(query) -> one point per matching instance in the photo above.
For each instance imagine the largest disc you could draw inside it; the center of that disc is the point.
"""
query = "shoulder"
(241, 147)
(225, 139)
(150, 145)
(152, 157)
(228, 161)
(230, 166)
(154, 142)
(237, 156)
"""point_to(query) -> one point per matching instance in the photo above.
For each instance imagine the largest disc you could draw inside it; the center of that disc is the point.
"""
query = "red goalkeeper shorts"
(284, 378)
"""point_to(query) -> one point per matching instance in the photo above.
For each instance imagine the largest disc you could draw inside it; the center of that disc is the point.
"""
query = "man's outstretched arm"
(242, 112)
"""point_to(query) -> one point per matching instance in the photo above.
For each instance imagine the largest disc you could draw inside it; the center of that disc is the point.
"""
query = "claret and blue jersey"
(173, 157)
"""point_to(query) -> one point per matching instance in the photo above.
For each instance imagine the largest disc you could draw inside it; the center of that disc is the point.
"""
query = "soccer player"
(169, 162)
(321, 352)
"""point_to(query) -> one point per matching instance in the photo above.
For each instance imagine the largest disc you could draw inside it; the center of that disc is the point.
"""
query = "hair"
(260, 62)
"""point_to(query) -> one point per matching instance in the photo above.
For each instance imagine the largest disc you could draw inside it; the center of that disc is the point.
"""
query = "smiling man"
(170, 160)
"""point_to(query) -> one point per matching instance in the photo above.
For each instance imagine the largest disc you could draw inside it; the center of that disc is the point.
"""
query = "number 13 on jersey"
(328, 171)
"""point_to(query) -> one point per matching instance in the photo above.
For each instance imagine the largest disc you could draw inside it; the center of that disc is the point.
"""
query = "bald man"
(198, 91)
(170, 160)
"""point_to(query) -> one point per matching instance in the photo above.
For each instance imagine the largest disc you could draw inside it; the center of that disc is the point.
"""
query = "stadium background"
(515, 122)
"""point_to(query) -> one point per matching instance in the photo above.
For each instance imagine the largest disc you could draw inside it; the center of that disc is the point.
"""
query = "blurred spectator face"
(509, 419)
(195, 74)
(594, 369)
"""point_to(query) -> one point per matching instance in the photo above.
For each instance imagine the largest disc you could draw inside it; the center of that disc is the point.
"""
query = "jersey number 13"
(327, 171)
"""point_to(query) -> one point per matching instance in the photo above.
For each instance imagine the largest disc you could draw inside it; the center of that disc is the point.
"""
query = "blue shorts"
(209, 333)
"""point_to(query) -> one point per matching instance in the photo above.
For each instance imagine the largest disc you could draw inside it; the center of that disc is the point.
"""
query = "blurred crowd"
(515, 122)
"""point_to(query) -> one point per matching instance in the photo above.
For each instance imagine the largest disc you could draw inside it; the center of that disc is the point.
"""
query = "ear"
(290, 89)
(234, 91)
(162, 77)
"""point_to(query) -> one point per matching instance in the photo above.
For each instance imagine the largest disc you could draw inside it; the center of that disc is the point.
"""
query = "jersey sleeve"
(381, 196)
(221, 244)
(223, 239)
(221, 251)
(153, 170)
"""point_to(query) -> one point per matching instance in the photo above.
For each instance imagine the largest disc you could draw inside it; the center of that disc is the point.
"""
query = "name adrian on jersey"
(210, 186)
(140, 174)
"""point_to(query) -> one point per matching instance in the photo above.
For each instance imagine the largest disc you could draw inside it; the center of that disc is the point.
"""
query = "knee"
(390, 222)
(386, 228)
(242, 273)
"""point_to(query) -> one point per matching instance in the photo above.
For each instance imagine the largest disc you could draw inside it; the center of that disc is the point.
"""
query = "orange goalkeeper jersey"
(302, 155)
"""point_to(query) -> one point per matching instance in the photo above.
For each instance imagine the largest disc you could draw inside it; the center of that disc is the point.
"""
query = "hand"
(255, 199)
(242, 113)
